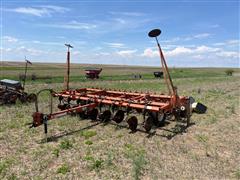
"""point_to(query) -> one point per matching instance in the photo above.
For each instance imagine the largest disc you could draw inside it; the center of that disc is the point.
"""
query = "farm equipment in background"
(11, 90)
(106, 105)
(158, 74)
(93, 73)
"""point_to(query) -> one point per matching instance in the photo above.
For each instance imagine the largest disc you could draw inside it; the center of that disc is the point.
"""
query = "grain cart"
(11, 90)
(118, 106)
(158, 74)
(92, 73)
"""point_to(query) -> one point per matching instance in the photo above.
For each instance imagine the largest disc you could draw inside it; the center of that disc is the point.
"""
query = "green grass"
(97, 164)
(237, 174)
(137, 155)
(63, 169)
(12, 177)
(94, 163)
(88, 142)
(87, 134)
(66, 144)
(114, 73)
(208, 149)
(202, 138)
(56, 152)
(88, 158)
(4, 166)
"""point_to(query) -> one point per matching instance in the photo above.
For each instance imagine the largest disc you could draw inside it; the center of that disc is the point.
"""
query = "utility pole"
(66, 78)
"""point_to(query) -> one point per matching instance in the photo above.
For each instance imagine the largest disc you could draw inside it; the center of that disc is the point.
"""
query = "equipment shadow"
(171, 133)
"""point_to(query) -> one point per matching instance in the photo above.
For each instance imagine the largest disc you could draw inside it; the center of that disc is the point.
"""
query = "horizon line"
(41, 62)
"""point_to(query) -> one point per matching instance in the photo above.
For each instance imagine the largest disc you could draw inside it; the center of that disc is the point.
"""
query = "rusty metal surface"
(134, 100)
(99, 104)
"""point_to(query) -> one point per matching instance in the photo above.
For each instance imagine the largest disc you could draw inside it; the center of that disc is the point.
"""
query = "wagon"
(93, 73)
(158, 74)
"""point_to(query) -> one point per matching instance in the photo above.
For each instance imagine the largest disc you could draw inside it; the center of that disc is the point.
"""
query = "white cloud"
(168, 46)
(72, 25)
(232, 42)
(120, 20)
(214, 26)
(150, 53)
(197, 36)
(199, 56)
(103, 54)
(127, 53)
(5, 50)
(120, 24)
(228, 54)
(31, 11)
(76, 52)
(39, 10)
(171, 40)
(199, 52)
(178, 51)
(218, 44)
(135, 14)
(202, 35)
(79, 42)
(109, 25)
(181, 50)
(36, 42)
(115, 45)
(45, 43)
(22, 51)
(188, 38)
(10, 39)
(28, 51)
(56, 8)
(204, 49)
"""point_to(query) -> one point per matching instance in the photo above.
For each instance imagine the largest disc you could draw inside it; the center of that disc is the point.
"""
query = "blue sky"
(194, 33)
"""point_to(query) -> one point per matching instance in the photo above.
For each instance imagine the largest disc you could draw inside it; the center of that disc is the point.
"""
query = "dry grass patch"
(210, 148)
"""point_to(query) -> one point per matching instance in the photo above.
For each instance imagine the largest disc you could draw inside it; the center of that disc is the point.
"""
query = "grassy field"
(80, 149)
